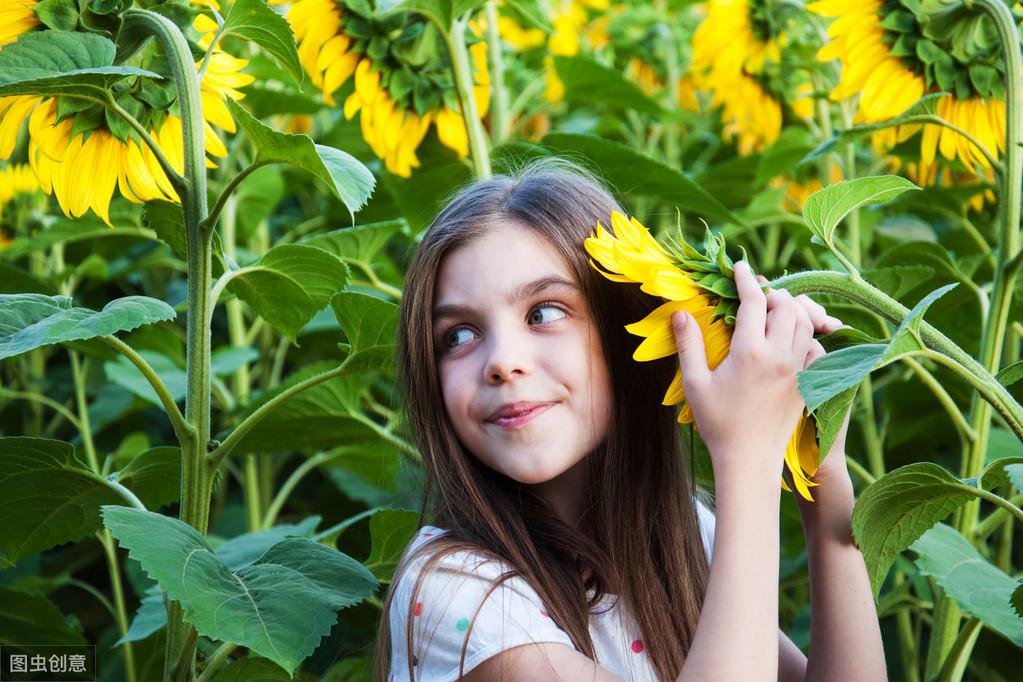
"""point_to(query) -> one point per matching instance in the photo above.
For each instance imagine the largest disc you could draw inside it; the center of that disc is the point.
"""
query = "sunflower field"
(206, 210)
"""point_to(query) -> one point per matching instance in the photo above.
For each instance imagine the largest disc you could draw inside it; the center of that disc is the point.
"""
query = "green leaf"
(1007, 376)
(47, 497)
(346, 177)
(228, 359)
(61, 15)
(150, 617)
(288, 284)
(829, 417)
(840, 370)
(590, 82)
(30, 321)
(898, 508)
(443, 12)
(154, 476)
(28, 617)
(359, 244)
(530, 14)
(318, 418)
(280, 606)
(257, 198)
(251, 670)
(1017, 599)
(1002, 470)
(633, 173)
(370, 325)
(66, 63)
(977, 587)
(244, 550)
(126, 375)
(253, 19)
(236, 553)
(826, 207)
(785, 154)
(166, 220)
(390, 531)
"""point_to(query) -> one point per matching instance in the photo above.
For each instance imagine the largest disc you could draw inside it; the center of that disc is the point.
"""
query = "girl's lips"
(520, 419)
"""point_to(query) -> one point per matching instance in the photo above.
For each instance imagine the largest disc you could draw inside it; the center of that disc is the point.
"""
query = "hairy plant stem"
(105, 539)
(945, 639)
(499, 94)
(944, 349)
(462, 67)
(196, 474)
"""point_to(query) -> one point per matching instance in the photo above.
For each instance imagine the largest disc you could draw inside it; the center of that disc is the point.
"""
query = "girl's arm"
(844, 632)
(746, 410)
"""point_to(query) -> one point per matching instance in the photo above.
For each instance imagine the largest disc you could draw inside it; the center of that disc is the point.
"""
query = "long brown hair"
(638, 537)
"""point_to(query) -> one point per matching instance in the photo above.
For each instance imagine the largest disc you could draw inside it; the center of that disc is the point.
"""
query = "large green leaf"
(977, 587)
(898, 508)
(67, 63)
(591, 82)
(443, 12)
(253, 19)
(280, 606)
(346, 177)
(370, 324)
(288, 284)
(843, 369)
(357, 245)
(29, 321)
(826, 207)
(633, 173)
(47, 497)
(390, 532)
(27, 617)
(236, 553)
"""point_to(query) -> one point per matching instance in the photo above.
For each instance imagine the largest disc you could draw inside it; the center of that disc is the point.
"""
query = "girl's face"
(523, 374)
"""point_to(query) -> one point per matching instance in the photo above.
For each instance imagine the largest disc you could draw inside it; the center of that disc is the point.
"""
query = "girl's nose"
(508, 358)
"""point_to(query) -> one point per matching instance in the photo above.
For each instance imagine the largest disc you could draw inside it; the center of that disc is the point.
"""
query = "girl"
(568, 540)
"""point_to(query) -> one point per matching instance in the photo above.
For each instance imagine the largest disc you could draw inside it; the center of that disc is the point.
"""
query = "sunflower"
(730, 55)
(17, 17)
(61, 155)
(894, 52)
(15, 180)
(701, 285)
(397, 96)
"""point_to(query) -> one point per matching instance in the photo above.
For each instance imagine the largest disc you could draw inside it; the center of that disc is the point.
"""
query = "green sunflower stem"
(945, 638)
(196, 474)
(944, 349)
(499, 94)
(462, 67)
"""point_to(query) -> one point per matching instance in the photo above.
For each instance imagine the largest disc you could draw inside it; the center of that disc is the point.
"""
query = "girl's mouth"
(517, 420)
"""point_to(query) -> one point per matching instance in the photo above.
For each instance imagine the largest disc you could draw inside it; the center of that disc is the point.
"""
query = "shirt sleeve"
(453, 610)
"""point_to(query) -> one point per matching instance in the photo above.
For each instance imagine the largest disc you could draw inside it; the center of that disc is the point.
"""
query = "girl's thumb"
(691, 354)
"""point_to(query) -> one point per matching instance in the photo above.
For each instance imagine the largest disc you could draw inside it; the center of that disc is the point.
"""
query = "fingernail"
(679, 318)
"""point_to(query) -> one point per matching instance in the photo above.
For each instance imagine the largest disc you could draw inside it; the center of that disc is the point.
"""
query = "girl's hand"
(833, 467)
(747, 408)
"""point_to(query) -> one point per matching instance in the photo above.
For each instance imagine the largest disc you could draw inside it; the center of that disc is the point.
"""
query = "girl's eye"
(451, 340)
(536, 316)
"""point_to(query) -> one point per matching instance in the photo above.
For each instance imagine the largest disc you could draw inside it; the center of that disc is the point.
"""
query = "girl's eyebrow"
(522, 291)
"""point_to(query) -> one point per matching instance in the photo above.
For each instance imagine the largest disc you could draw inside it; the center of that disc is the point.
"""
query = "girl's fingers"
(802, 335)
(816, 351)
(822, 322)
(751, 318)
(781, 320)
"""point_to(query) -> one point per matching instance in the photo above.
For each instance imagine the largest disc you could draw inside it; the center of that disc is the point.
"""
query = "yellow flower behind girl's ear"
(701, 284)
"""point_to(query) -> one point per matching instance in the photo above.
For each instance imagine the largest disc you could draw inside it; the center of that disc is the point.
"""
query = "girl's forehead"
(504, 261)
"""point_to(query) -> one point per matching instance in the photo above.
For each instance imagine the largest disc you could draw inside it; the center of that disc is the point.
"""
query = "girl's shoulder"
(452, 609)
